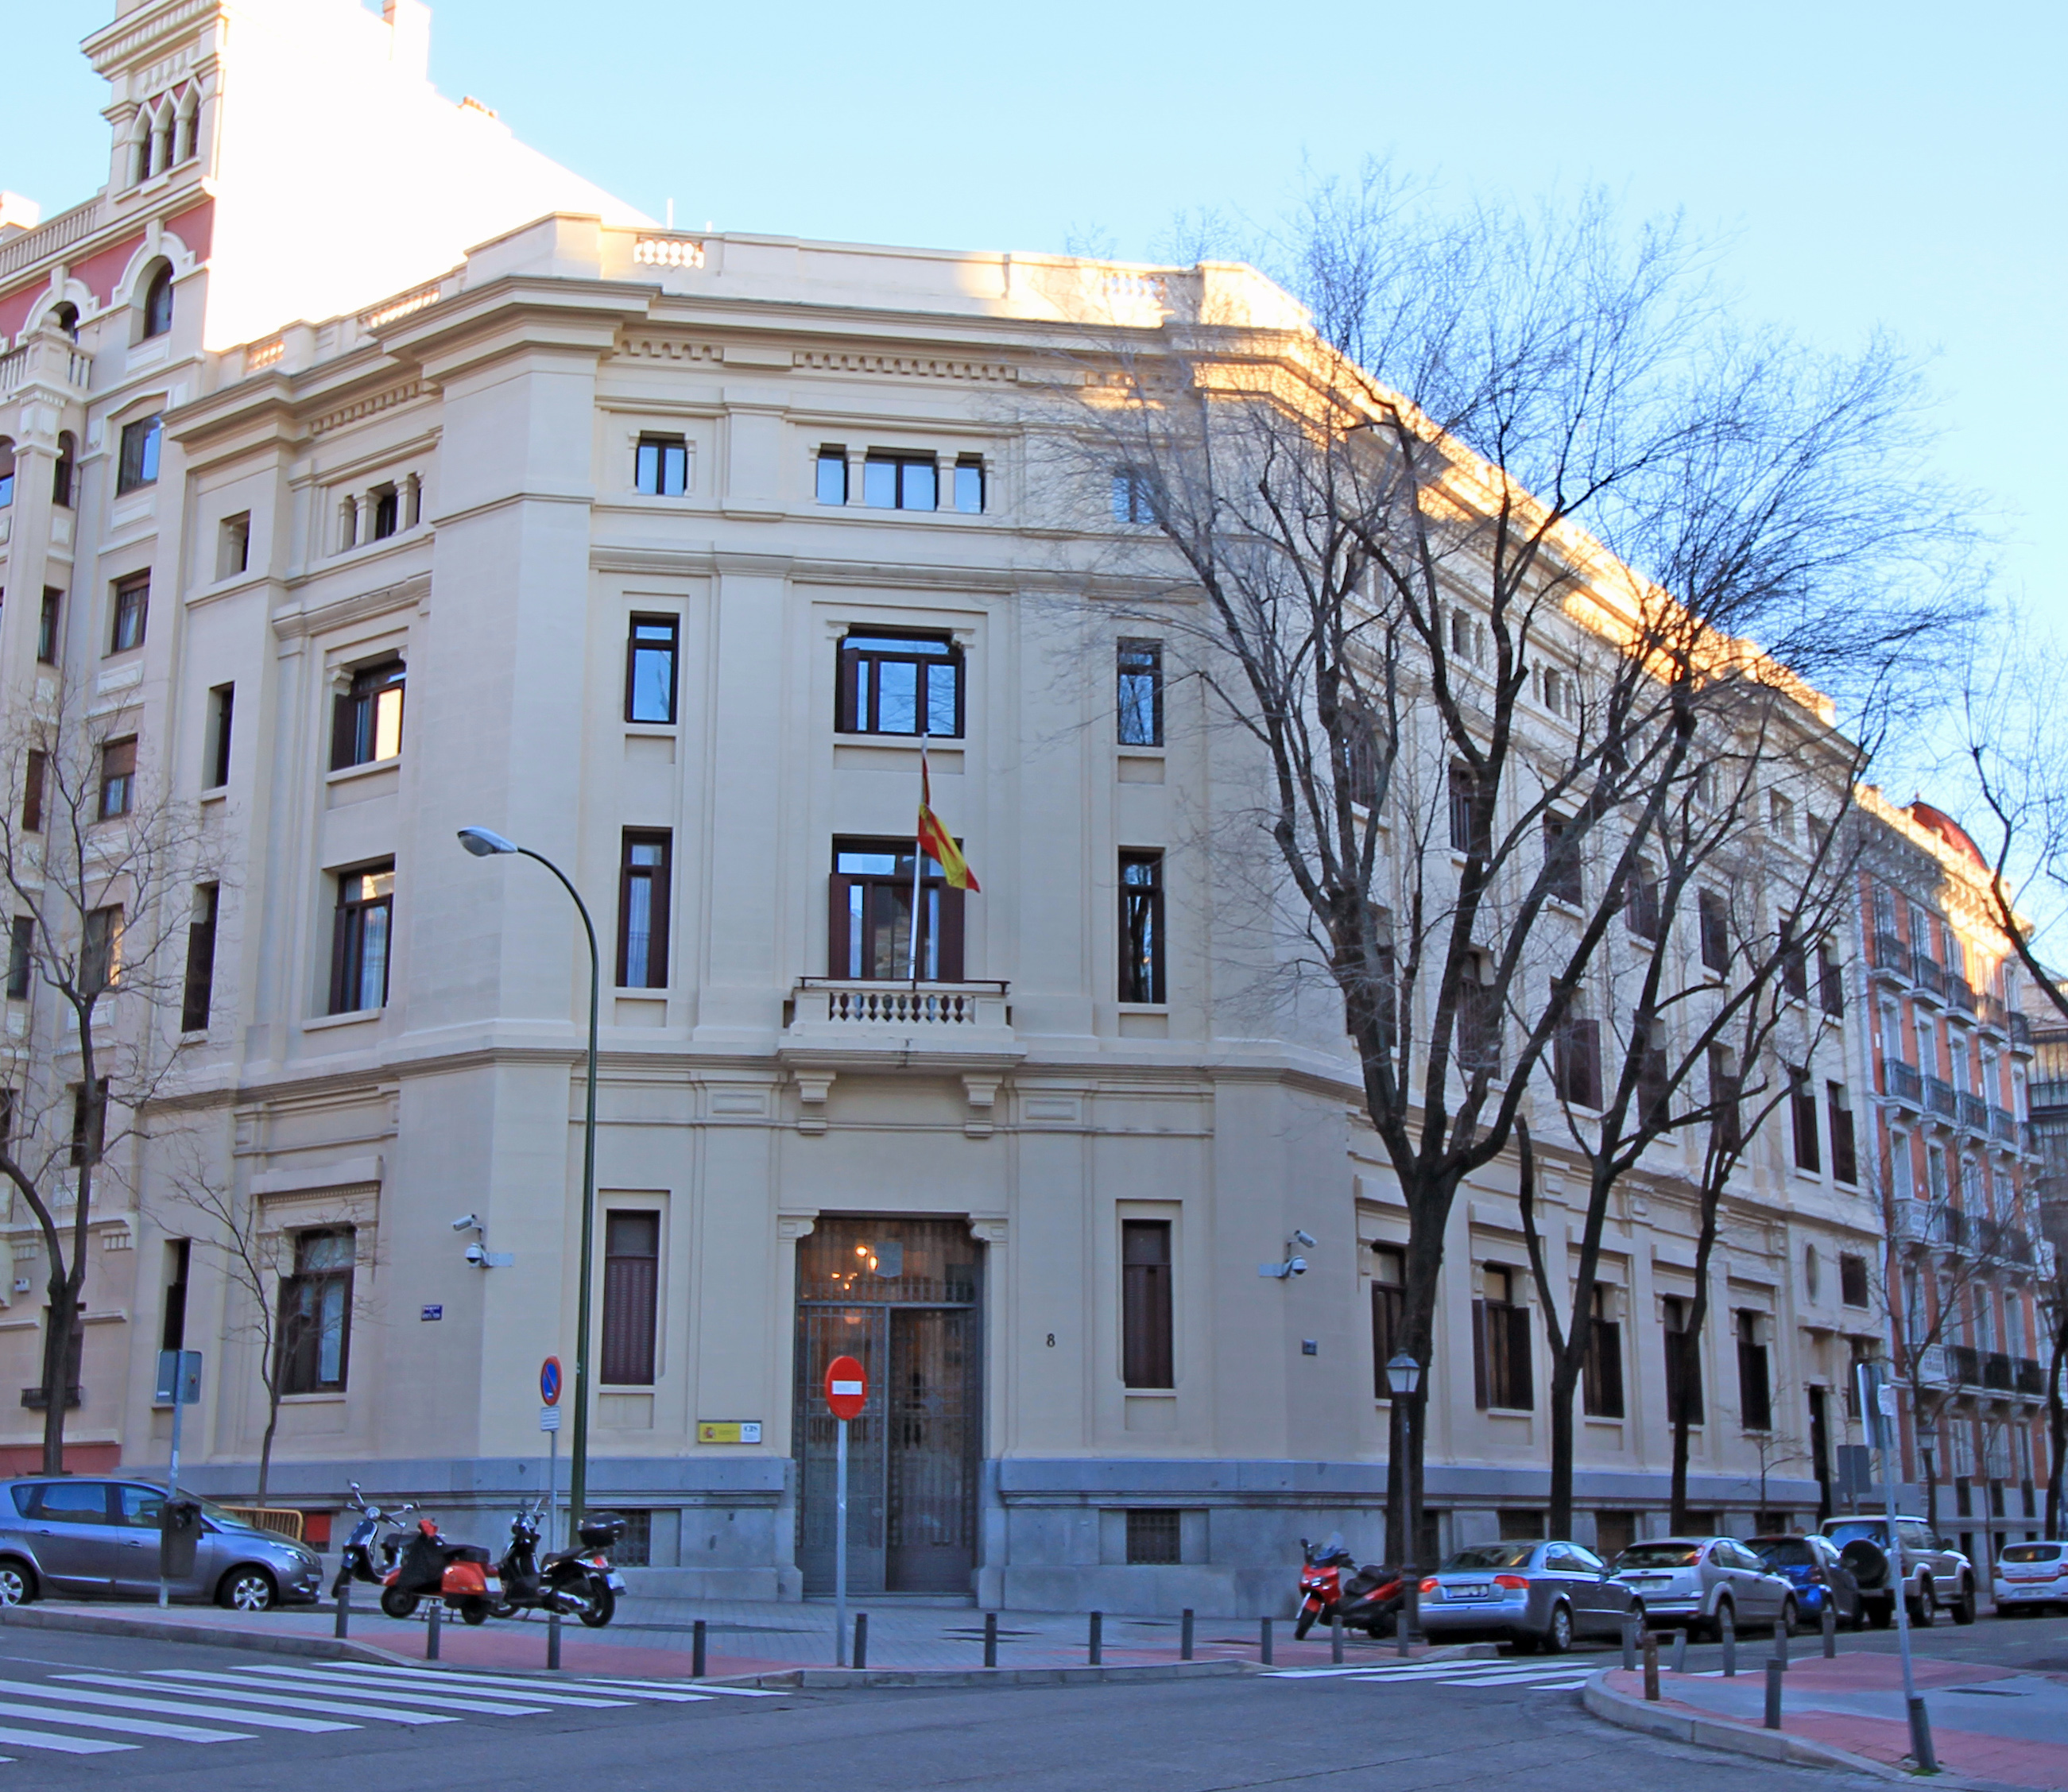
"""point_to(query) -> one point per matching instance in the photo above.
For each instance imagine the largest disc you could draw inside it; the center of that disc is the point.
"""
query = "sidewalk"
(1989, 1723)
(653, 1637)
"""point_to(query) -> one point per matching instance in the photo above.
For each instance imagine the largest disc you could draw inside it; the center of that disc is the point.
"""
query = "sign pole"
(174, 1375)
(1878, 1410)
(549, 1423)
(839, 1555)
(171, 1493)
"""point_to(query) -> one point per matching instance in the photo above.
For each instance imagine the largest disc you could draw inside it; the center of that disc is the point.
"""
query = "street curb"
(1707, 1731)
(823, 1678)
(222, 1636)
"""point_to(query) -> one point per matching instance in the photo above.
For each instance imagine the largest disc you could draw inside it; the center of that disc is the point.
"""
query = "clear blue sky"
(1895, 163)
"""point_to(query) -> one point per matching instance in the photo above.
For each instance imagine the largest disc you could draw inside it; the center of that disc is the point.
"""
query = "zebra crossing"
(1552, 1675)
(101, 1711)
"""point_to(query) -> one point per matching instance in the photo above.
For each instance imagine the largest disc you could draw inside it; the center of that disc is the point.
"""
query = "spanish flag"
(935, 841)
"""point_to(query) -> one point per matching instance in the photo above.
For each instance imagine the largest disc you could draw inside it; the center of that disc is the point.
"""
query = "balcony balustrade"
(1891, 957)
(1997, 1372)
(839, 1002)
(1973, 1113)
(1902, 1081)
(2003, 1125)
(1959, 992)
(2031, 1379)
(2021, 1031)
(1928, 974)
(1964, 1365)
(50, 359)
(1933, 1371)
(1938, 1098)
(1991, 1012)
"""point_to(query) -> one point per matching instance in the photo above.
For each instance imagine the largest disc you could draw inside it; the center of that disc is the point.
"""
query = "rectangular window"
(233, 545)
(898, 684)
(138, 466)
(118, 778)
(89, 1122)
(1802, 1111)
(1576, 1061)
(316, 1313)
(1654, 1089)
(661, 466)
(1715, 930)
(1640, 908)
(1561, 861)
(631, 1298)
(642, 910)
(870, 926)
(1131, 496)
(387, 511)
(20, 956)
(1138, 671)
(1471, 815)
(1141, 952)
(1853, 1281)
(969, 485)
(1838, 1109)
(1755, 1389)
(366, 724)
(199, 993)
(1601, 1372)
(1155, 1537)
(650, 655)
(360, 938)
(46, 626)
(1146, 1355)
(179, 1260)
(221, 712)
(1500, 1345)
(7, 475)
(34, 763)
(1389, 1295)
(901, 482)
(1478, 1036)
(1831, 982)
(1684, 1360)
(832, 476)
(1794, 961)
(132, 609)
(100, 949)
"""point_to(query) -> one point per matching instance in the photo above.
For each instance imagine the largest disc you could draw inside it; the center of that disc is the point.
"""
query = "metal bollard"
(861, 1655)
(991, 1639)
(552, 1639)
(1629, 1643)
(1651, 1665)
(1096, 1642)
(697, 1638)
(1336, 1638)
(1921, 1750)
(345, 1610)
(431, 1630)
(1263, 1642)
(1185, 1636)
(1681, 1652)
(1829, 1624)
(1727, 1623)
(1779, 1644)
(1776, 1667)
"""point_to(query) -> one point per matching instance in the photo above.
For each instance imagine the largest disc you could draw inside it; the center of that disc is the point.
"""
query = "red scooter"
(430, 1567)
(1370, 1601)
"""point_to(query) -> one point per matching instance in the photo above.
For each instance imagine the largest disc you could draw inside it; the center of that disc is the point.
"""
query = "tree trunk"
(1930, 1481)
(62, 1322)
(266, 1446)
(1564, 1381)
(1698, 1318)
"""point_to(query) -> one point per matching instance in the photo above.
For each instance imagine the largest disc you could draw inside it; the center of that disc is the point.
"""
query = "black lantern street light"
(483, 844)
(1403, 1376)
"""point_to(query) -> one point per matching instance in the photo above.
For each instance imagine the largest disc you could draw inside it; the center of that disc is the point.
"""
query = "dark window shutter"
(951, 933)
(838, 944)
(1146, 1341)
(1521, 1391)
(631, 1290)
(1480, 1354)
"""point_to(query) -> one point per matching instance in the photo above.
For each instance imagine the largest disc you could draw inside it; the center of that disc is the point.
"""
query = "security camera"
(1296, 1266)
(475, 1255)
(1300, 1237)
(466, 1222)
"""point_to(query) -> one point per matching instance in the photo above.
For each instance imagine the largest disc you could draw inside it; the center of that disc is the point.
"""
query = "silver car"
(1534, 1595)
(1695, 1580)
(73, 1536)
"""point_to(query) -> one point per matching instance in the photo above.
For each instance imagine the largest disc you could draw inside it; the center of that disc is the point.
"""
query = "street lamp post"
(1403, 1376)
(482, 843)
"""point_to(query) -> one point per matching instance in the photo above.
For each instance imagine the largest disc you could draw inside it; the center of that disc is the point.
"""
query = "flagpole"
(919, 872)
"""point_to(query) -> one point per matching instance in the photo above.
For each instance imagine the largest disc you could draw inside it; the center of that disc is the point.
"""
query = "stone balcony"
(49, 362)
(858, 1025)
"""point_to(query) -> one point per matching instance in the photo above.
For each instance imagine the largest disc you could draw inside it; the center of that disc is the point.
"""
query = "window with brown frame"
(1471, 814)
(20, 956)
(366, 721)
(1388, 1294)
(100, 949)
(1601, 1371)
(894, 683)
(1755, 1383)
(1683, 1359)
(34, 765)
(1844, 1157)
(1141, 952)
(1501, 1375)
(631, 1298)
(1562, 881)
(198, 996)
(1146, 1355)
(132, 609)
(869, 931)
(1853, 1280)
(89, 1122)
(651, 653)
(361, 932)
(1138, 676)
(1478, 1030)
(316, 1313)
(1640, 908)
(118, 777)
(1714, 926)
(1576, 1061)
(46, 626)
(643, 895)
(1802, 1112)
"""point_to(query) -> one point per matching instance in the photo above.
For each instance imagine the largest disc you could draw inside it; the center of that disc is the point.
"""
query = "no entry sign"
(847, 1388)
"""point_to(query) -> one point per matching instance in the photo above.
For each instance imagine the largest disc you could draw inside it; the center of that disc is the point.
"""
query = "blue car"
(1811, 1565)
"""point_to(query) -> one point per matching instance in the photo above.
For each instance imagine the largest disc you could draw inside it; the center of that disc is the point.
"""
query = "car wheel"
(1787, 1624)
(1924, 1608)
(1557, 1637)
(247, 1590)
(1964, 1607)
(17, 1583)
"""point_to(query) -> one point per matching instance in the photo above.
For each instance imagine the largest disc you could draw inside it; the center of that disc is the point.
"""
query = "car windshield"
(2031, 1552)
(1489, 1556)
(1873, 1529)
(1659, 1555)
(1784, 1552)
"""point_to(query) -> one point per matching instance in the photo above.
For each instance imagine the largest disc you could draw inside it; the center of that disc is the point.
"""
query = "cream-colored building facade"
(523, 512)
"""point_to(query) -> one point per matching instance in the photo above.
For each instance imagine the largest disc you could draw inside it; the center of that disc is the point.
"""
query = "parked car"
(77, 1536)
(1534, 1595)
(1935, 1575)
(1695, 1580)
(2030, 1577)
(1813, 1567)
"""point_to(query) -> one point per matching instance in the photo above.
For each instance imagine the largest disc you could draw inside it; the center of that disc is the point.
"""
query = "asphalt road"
(1511, 1723)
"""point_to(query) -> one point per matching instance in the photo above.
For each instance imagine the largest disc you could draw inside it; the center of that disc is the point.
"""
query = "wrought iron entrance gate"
(902, 1296)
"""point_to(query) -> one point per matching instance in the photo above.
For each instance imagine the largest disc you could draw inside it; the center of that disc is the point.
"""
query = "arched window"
(158, 303)
(187, 134)
(161, 139)
(61, 478)
(65, 315)
(139, 149)
(6, 472)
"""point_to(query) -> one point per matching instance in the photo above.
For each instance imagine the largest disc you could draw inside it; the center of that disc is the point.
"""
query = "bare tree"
(99, 864)
(1497, 453)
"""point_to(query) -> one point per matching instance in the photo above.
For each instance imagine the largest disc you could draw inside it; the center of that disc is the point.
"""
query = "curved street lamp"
(484, 843)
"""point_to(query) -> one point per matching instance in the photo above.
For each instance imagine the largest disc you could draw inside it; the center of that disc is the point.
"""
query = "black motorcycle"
(578, 1582)
(367, 1555)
